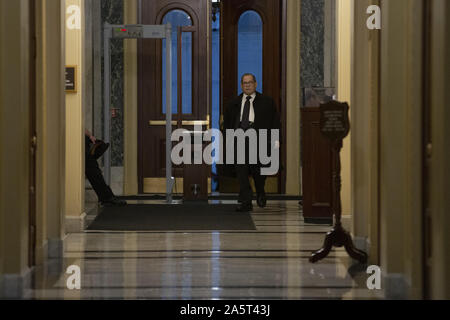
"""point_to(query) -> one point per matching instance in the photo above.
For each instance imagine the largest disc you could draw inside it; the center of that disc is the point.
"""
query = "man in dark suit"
(251, 110)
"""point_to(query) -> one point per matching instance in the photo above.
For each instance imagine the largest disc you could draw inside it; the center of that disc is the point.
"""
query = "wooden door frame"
(283, 107)
(32, 136)
(426, 156)
(197, 84)
(282, 93)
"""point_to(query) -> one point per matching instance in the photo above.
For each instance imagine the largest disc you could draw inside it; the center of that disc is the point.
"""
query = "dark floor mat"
(161, 217)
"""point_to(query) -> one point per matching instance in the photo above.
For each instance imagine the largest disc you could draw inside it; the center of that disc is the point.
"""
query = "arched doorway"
(252, 42)
(191, 84)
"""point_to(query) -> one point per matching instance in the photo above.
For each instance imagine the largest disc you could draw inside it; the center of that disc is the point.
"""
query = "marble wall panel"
(112, 13)
(312, 43)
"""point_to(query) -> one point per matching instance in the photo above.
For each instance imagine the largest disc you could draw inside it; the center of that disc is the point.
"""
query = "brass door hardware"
(183, 122)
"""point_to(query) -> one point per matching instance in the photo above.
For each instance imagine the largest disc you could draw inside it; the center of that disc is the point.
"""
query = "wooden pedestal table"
(335, 125)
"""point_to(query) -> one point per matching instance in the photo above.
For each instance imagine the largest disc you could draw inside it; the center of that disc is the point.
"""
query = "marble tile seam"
(199, 232)
(194, 250)
(204, 257)
(275, 287)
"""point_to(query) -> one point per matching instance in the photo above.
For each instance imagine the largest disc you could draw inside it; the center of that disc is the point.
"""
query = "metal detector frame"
(139, 32)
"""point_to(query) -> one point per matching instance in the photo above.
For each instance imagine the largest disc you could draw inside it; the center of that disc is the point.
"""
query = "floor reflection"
(269, 263)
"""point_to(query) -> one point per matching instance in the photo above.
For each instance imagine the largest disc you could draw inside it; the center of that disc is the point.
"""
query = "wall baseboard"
(75, 224)
(55, 249)
(396, 286)
(362, 243)
(15, 286)
(42, 253)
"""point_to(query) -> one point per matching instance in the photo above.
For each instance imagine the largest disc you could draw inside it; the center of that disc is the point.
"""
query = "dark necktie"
(245, 123)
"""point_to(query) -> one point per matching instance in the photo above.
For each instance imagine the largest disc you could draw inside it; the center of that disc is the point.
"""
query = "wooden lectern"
(317, 167)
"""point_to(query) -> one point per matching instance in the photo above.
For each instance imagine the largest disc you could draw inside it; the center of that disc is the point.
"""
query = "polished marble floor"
(270, 262)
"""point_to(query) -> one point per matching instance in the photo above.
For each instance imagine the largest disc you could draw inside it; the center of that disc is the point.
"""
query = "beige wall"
(398, 116)
(344, 21)
(131, 110)
(365, 99)
(293, 99)
(14, 119)
(75, 180)
(14, 127)
(440, 159)
(400, 140)
(2, 88)
(50, 123)
(400, 143)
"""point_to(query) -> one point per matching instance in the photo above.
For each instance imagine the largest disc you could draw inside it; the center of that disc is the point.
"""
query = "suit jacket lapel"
(238, 111)
(257, 108)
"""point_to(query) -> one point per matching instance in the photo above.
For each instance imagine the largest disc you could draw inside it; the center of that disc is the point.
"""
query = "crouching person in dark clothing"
(94, 175)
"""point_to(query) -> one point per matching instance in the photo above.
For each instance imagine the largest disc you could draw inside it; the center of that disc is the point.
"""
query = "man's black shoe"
(244, 208)
(98, 148)
(261, 200)
(114, 202)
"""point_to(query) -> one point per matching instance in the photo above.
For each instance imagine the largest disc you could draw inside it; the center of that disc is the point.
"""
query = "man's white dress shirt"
(252, 111)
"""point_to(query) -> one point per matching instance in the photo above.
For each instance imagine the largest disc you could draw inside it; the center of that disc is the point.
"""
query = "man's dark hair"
(248, 74)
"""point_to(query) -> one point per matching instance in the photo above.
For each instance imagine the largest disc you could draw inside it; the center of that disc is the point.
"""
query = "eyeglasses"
(248, 83)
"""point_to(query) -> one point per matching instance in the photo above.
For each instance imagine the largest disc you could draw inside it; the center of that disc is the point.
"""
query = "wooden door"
(32, 137)
(270, 14)
(191, 96)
